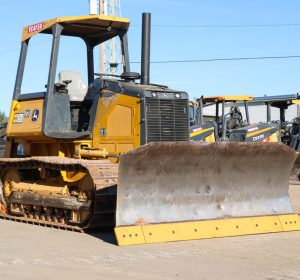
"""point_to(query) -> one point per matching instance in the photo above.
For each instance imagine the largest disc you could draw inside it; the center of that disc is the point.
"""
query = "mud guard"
(175, 183)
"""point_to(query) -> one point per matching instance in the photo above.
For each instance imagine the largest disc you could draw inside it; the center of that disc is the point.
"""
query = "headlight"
(177, 95)
(154, 94)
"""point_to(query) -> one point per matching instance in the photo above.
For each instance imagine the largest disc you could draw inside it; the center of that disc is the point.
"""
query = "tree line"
(3, 117)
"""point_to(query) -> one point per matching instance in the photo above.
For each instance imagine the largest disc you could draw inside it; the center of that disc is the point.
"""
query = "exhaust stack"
(145, 59)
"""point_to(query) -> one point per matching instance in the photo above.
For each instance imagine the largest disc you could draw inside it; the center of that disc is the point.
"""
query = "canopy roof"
(229, 98)
(96, 28)
(279, 101)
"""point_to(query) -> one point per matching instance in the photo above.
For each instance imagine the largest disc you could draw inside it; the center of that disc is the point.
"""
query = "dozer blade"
(181, 191)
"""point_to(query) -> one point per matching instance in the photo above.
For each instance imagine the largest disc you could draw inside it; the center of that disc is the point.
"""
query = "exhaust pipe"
(146, 33)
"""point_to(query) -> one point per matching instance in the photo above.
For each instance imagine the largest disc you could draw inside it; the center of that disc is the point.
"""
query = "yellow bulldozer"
(117, 153)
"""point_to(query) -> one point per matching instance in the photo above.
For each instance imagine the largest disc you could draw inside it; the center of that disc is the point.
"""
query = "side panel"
(26, 118)
(269, 134)
(205, 133)
(117, 125)
(210, 138)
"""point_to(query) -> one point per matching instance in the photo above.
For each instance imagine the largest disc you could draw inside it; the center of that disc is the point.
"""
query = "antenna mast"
(110, 51)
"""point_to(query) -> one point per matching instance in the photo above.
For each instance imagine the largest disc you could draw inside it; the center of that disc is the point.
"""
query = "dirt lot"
(32, 252)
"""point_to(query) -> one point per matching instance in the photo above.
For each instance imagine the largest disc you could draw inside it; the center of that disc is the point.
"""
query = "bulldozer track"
(45, 224)
(2, 147)
(103, 173)
(2, 141)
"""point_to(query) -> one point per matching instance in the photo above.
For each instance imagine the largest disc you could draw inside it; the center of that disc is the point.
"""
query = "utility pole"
(111, 52)
(93, 7)
(103, 11)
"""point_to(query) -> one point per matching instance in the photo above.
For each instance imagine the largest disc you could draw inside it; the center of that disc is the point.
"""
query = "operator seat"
(235, 118)
(77, 89)
(83, 100)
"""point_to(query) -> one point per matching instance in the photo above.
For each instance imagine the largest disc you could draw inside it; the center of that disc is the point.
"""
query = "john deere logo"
(35, 115)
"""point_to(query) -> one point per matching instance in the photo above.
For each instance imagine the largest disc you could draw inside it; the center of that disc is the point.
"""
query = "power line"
(226, 26)
(18, 49)
(221, 59)
(188, 60)
(9, 51)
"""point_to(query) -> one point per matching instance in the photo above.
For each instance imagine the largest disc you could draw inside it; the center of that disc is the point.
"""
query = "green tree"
(3, 117)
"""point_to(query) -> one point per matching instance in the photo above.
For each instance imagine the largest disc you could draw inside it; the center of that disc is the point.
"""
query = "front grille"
(166, 120)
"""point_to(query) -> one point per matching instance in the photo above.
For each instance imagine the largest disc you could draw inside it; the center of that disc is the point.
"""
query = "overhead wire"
(200, 26)
(18, 49)
(189, 60)
(221, 59)
(225, 26)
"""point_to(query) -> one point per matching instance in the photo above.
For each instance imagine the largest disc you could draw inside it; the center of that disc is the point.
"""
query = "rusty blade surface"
(171, 182)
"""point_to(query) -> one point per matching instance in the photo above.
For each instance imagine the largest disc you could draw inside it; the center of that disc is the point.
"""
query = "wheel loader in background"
(117, 153)
(231, 126)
